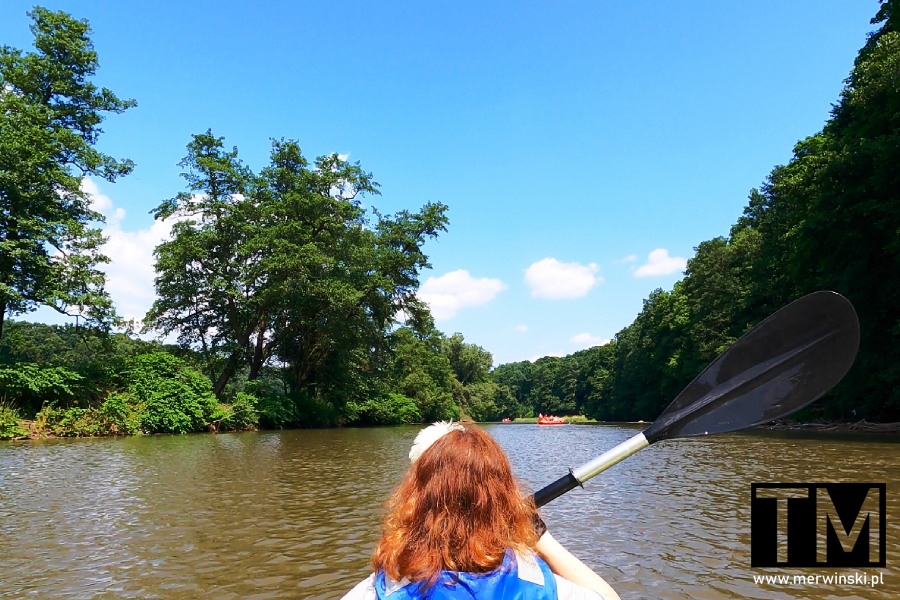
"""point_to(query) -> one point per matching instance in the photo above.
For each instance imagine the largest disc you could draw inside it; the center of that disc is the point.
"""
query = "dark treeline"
(293, 305)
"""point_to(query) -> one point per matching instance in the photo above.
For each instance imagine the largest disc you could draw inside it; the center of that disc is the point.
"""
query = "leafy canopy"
(50, 114)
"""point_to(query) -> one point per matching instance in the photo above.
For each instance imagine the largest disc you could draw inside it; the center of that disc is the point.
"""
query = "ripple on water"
(296, 513)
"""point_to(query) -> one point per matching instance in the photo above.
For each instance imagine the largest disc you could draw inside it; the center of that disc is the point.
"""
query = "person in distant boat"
(458, 526)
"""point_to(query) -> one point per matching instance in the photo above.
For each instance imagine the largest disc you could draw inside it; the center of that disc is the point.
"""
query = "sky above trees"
(584, 150)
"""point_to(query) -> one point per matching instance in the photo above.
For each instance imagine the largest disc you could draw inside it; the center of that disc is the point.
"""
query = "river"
(294, 514)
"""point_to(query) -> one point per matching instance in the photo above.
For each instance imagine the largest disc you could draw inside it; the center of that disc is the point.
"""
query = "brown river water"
(294, 514)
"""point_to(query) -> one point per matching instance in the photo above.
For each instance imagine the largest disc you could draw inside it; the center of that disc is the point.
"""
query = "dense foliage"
(67, 381)
(295, 306)
(286, 265)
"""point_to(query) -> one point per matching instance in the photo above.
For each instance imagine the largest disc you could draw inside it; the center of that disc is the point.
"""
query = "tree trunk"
(259, 355)
(227, 373)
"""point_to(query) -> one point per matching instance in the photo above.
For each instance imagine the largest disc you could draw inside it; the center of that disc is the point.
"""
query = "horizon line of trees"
(286, 294)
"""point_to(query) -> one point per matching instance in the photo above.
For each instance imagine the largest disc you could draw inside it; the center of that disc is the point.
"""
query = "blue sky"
(584, 148)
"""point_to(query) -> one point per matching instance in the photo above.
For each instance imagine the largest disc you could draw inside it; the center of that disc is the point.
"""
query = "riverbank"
(32, 430)
(861, 426)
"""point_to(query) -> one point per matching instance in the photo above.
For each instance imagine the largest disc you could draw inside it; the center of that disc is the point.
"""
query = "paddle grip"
(555, 489)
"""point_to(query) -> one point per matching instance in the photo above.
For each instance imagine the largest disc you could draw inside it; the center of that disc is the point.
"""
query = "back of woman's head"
(458, 508)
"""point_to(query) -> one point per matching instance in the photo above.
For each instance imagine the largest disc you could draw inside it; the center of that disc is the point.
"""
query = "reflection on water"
(295, 514)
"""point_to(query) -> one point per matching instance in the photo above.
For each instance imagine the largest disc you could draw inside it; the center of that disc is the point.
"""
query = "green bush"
(31, 386)
(9, 423)
(169, 395)
(391, 409)
(241, 414)
(122, 413)
(73, 422)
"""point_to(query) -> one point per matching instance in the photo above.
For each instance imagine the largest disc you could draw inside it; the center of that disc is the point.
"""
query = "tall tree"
(50, 114)
(421, 371)
(647, 367)
(517, 379)
(286, 264)
(829, 219)
(595, 381)
(471, 363)
(207, 276)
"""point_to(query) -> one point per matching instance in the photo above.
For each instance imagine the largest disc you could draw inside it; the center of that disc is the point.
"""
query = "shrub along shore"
(157, 393)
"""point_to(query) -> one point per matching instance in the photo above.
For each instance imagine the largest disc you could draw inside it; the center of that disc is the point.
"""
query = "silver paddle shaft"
(610, 457)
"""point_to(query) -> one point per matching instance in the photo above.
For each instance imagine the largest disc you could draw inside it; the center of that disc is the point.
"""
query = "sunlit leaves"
(50, 114)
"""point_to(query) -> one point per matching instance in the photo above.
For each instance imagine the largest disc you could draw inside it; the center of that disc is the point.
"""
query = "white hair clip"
(430, 435)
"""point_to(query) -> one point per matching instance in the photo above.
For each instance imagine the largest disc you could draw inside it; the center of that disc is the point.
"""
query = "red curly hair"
(458, 508)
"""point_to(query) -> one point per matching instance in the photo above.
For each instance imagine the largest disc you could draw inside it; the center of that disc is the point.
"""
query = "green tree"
(554, 387)
(647, 369)
(482, 401)
(517, 381)
(208, 279)
(595, 395)
(166, 394)
(507, 405)
(716, 300)
(848, 238)
(287, 265)
(470, 363)
(829, 219)
(50, 113)
(421, 371)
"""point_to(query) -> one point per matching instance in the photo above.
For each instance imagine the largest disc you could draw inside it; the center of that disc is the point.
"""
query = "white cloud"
(102, 203)
(453, 291)
(660, 263)
(522, 328)
(130, 273)
(554, 280)
(629, 259)
(586, 340)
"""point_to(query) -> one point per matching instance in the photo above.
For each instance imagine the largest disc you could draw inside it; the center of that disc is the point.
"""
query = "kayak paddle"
(783, 364)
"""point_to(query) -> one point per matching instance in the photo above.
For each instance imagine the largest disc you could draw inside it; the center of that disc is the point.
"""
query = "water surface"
(294, 514)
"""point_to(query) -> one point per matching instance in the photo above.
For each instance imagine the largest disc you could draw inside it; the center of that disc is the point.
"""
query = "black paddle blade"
(778, 367)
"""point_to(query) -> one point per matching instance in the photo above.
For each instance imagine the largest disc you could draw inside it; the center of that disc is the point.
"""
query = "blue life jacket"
(519, 577)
